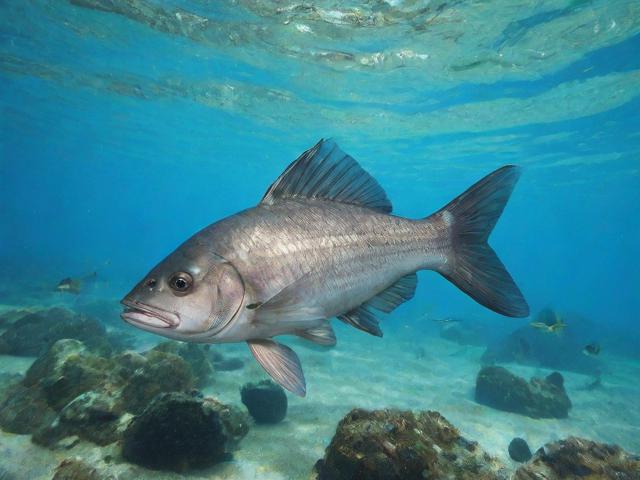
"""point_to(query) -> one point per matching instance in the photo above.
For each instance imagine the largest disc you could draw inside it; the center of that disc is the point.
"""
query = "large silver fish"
(322, 243)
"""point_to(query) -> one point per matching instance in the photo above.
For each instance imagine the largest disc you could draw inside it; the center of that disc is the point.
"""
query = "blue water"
(119, 138)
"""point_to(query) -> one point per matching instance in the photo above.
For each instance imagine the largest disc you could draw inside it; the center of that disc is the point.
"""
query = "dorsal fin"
(326, 172)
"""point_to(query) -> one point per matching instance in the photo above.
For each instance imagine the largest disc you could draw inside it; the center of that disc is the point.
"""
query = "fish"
(446, 320)
(553, 328)
(556, 325)
(75, 285)
(322, 243)
(591, 350)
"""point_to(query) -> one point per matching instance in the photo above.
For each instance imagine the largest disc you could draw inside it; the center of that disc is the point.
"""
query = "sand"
(406, 369)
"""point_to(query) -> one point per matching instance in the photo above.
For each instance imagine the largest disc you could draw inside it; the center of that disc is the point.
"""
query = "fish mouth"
(141, 314)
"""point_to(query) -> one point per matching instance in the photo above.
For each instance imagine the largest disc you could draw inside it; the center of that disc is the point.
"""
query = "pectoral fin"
(288, 305)
(281, 363)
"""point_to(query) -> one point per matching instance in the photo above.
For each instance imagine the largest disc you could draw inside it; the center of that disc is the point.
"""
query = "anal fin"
(281, 363)
(322, 335)
(395, 295)
(385, 301)
(363, 319)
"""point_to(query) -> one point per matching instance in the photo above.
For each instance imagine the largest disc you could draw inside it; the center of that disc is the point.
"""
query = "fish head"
(188, 296)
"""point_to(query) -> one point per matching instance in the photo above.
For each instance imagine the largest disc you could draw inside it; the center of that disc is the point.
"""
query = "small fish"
(591, 350)
(446, 320)
(75, 285)
(322, 243)
(556, 327)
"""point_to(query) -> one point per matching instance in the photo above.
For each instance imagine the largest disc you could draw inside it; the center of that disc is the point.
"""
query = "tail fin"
(473, 266)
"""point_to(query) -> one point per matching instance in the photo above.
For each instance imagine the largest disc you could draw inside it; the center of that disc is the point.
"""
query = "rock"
(33, 334)
(58, 377)
(402, 445)
(92, 416)
(555, 378)
(9, 317)
(67, 370)
(578, 458)
(176, 432)
(498, 388)
(235, 420)
(161, 372)
(519, 450)
(266, 401)
(194, 355)
(126, 364)
(463, 334)
(7, 474)
(7, 381)
(214, 355)
(530, 346)
(24, 410)
(229, 364)
(107, 310)
(76, 469)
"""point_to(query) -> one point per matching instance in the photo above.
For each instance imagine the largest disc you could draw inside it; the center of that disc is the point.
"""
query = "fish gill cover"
(128, 125)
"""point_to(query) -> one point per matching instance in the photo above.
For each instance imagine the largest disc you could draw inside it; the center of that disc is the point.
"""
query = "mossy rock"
(177, 432)
(498, 388)
(33, 334)
(402, 445)
(195, 355)
(24, 410)
(575, 458)
(67, 370)
(77, 469)
(162, 372)
(92, 416)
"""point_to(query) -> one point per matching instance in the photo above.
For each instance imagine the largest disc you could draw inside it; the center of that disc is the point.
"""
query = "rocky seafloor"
(83, 399)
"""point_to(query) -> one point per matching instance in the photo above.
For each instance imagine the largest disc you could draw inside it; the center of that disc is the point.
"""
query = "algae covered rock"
(402, 445)
(266, 401)
(463, 334)
(229, 364)
(9, 317)
(519, 450)
(34, 333)
(77, 469)
(161, 372)
(53, 380)
(195, 355)
(92, 416)
(24, 410)
(576, 458)
(176, 432)
(65, 371)
(498, 388)
(235, 420)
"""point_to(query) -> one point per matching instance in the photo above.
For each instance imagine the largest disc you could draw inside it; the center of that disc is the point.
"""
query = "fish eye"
(180, 282)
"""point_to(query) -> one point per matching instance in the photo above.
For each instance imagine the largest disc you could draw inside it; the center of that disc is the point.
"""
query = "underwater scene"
(331, 240)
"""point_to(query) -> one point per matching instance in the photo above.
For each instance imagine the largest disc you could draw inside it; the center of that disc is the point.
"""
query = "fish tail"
(471, 263)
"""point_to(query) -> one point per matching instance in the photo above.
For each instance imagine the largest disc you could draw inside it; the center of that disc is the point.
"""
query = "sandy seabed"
(405, 370)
